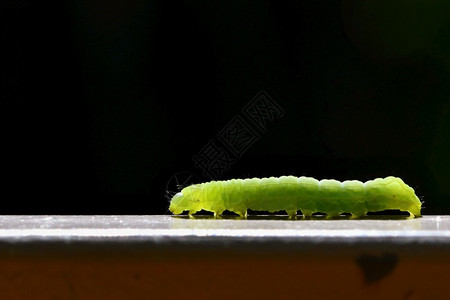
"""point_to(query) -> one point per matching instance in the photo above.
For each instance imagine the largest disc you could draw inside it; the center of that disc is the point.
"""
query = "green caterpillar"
(292, 193)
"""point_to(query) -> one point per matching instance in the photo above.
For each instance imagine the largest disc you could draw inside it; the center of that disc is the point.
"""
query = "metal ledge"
(167, 257)
(46, 235)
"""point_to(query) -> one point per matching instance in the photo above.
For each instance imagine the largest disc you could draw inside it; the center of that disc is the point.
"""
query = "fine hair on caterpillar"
(178, 181)
(291, 194)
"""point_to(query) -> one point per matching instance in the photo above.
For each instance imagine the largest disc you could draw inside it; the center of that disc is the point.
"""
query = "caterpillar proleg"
(290, 193)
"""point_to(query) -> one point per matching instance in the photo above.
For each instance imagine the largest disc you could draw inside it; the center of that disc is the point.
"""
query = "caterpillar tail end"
(414, 212)
(415, 208)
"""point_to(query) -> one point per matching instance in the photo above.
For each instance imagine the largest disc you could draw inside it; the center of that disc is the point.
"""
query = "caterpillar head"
(178, 204)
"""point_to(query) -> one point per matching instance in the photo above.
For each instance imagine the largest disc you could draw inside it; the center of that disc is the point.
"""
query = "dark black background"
(103, 101)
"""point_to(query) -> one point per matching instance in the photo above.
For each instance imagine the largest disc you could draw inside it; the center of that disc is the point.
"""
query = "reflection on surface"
(315, 217)
(283, 225)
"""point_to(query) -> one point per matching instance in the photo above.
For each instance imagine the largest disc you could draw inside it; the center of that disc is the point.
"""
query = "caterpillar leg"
(292, 214)
(191, 214)
(240, 210)
(358, 215)
(333, 214)
(217, 214)
(242, 213)
(307, 213)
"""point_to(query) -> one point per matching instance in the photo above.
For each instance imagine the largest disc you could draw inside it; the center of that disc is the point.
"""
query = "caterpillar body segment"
(292, 193)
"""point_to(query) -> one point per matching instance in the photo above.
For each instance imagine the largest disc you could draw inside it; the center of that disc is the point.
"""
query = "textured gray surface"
(396, 233)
